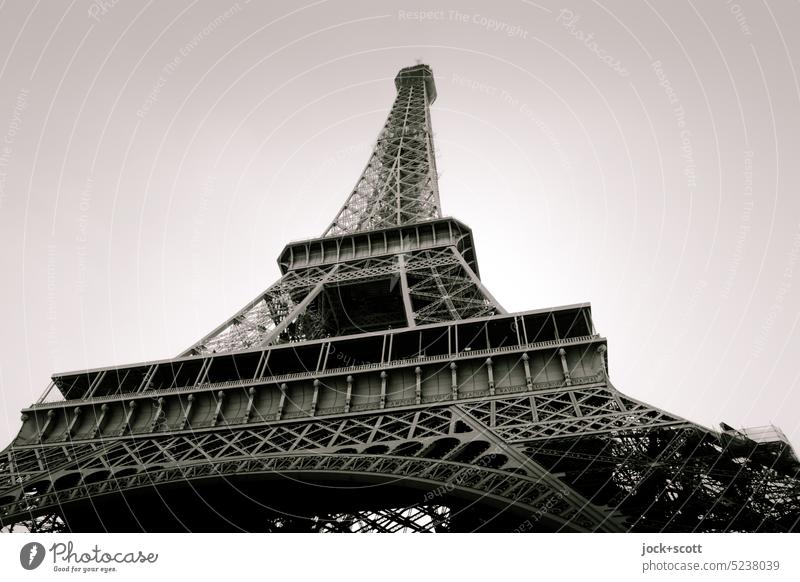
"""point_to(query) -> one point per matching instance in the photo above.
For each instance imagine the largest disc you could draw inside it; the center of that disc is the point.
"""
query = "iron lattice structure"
(399, 185)
(378, 386)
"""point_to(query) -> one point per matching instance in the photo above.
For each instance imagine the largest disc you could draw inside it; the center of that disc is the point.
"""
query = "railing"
(372, 405)
(50, 394)
(765, 434)
(243, 383)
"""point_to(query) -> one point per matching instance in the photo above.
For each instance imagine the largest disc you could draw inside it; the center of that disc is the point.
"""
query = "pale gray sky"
(155, 158)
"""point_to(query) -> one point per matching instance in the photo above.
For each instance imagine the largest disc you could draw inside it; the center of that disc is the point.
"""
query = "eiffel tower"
(379, 386)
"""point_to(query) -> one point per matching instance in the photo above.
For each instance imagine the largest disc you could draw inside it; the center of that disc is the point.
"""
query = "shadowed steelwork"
(379, 386)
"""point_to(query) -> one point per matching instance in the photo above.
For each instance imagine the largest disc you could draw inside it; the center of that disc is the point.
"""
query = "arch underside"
(304, 492)
(297, 502)
(476, 466)
(417, 460)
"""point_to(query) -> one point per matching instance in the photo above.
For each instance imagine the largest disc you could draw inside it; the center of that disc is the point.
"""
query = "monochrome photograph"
(242, 291)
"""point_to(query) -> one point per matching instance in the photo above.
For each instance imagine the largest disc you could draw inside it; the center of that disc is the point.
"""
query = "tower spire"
(389, 260)
(399, 184)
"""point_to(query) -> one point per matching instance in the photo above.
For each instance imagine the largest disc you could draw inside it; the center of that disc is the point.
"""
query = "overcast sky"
(156, 157)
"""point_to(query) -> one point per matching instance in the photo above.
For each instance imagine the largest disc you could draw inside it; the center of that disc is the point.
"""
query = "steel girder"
(47, 523)
(624, 464)
(415, 519)
(421, 518)
(436, 285)
(439, 447)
